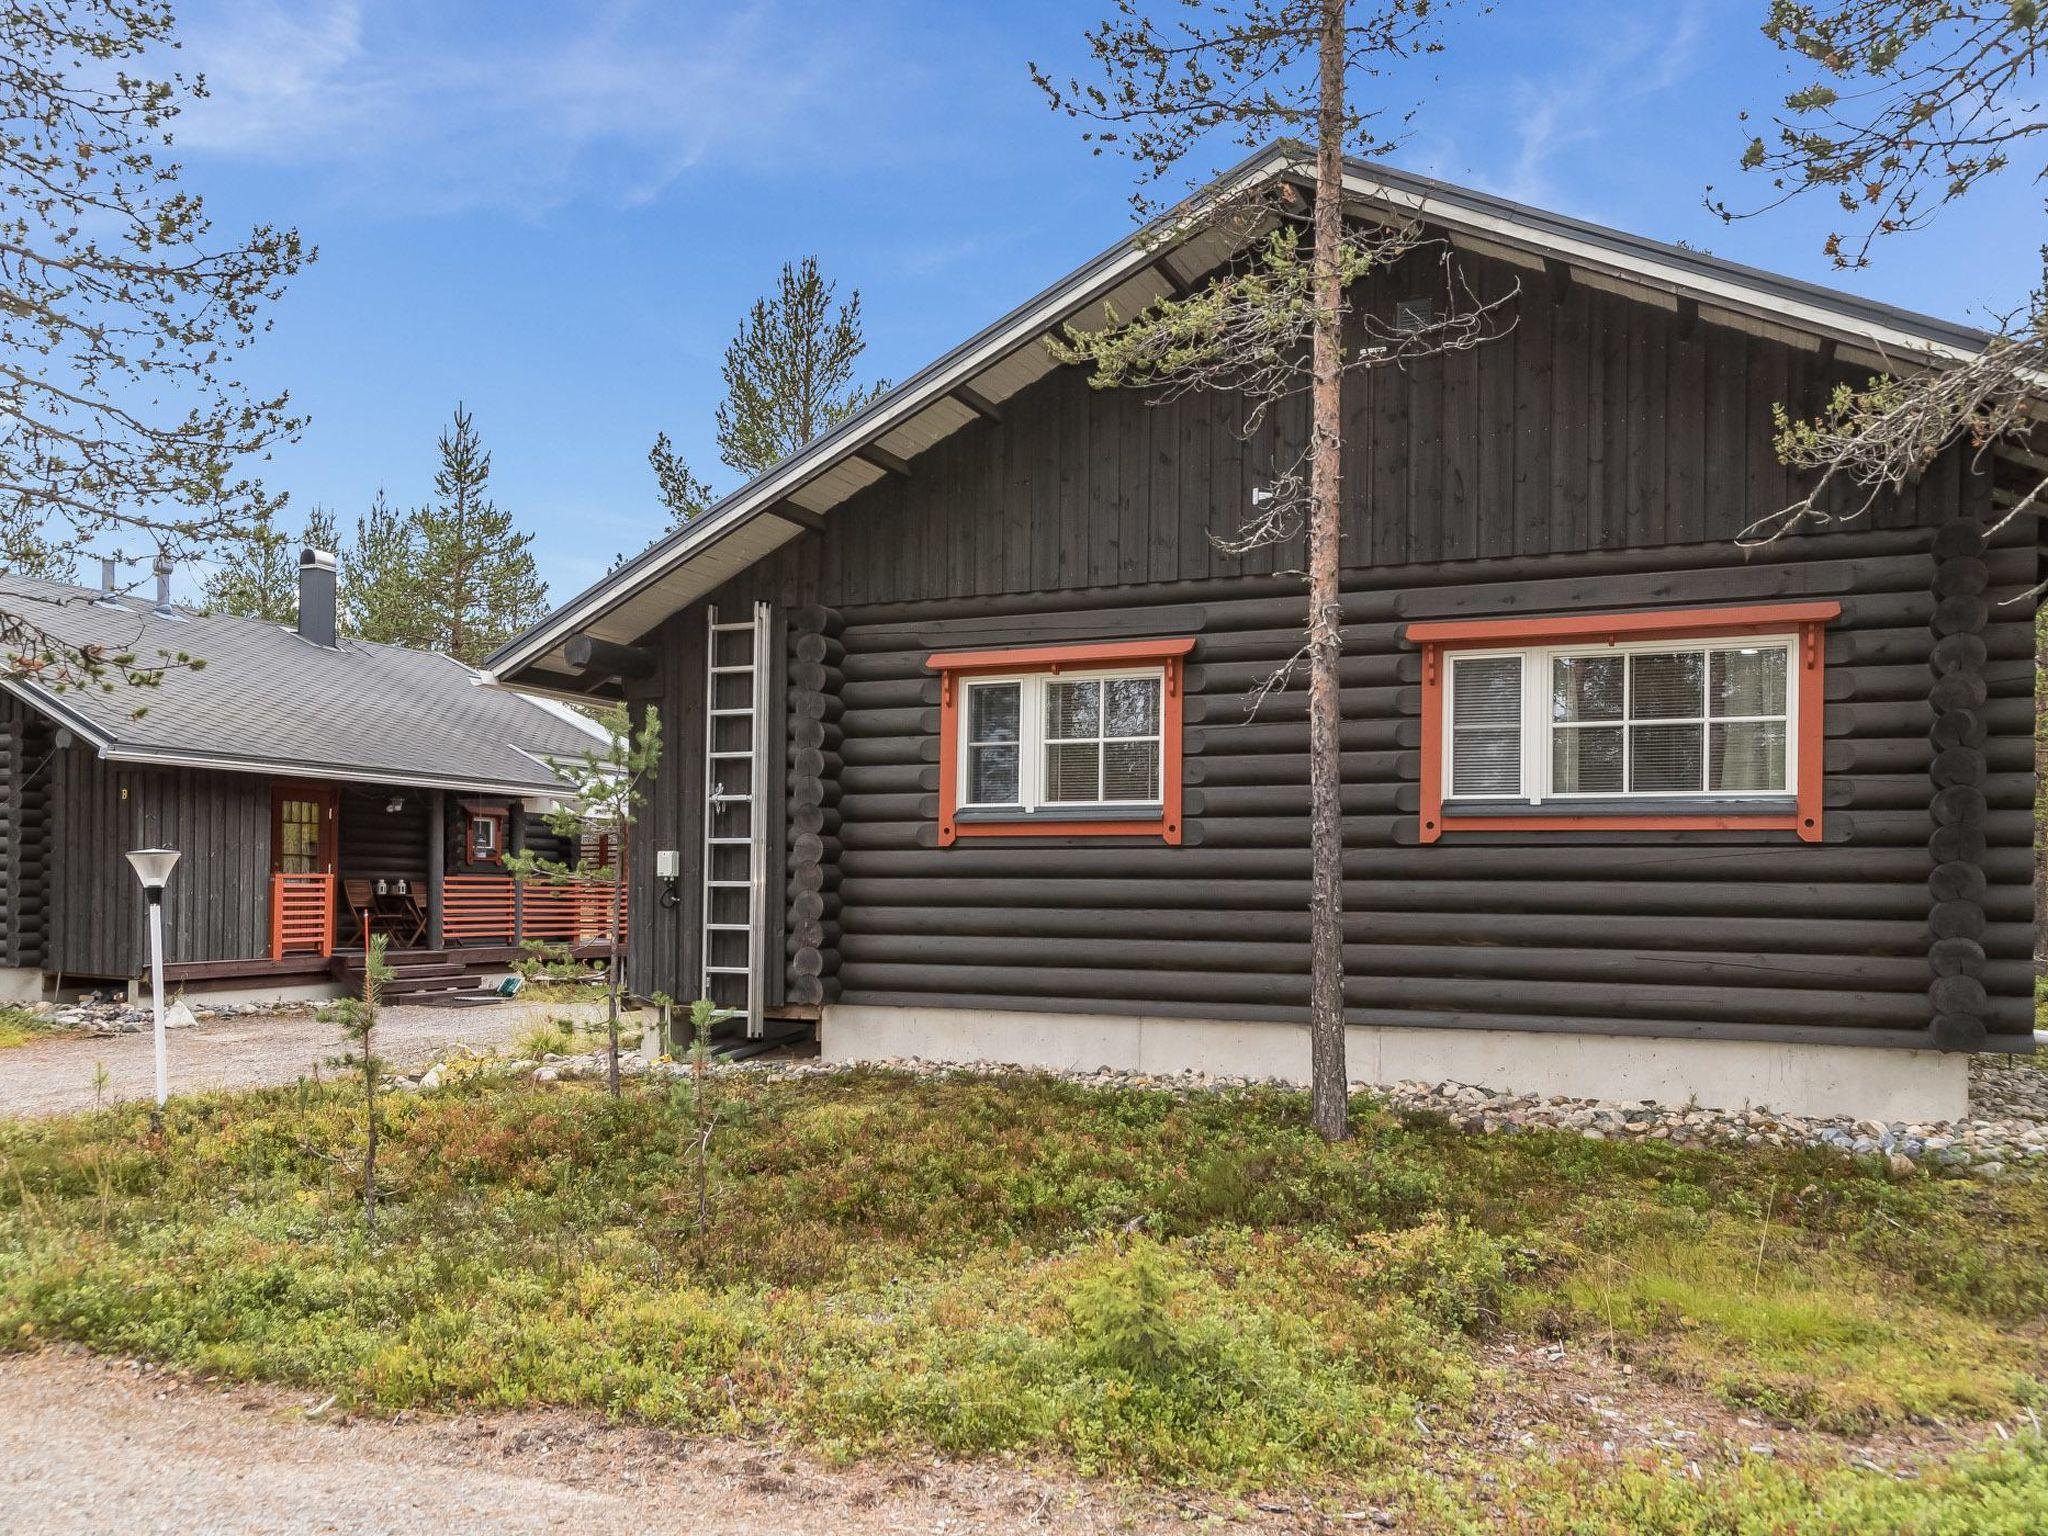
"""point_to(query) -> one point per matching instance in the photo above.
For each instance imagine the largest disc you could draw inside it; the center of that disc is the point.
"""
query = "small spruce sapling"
(357, 1017)
(602, 793)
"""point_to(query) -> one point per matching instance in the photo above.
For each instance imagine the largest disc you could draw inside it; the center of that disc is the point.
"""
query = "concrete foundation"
(1863, 1081)
(321, 990)
(20, 984)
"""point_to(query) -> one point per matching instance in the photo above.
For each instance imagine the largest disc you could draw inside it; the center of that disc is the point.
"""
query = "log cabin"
(961, 763)
(318, 788)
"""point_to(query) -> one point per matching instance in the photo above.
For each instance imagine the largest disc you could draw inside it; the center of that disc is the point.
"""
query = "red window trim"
(1171, 655)
(1808, 620)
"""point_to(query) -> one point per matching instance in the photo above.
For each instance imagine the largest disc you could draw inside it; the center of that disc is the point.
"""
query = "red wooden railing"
(498, 909)
(301, 915)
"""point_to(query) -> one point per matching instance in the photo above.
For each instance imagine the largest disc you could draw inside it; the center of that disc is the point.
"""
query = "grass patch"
(1196, 1291)
(19, 1027)
(2002, 1493)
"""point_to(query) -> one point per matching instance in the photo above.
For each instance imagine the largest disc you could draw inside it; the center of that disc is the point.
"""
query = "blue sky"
(557, 213)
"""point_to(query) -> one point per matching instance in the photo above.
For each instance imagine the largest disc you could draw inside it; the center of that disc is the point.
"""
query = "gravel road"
(55, 1076)
(92, 1445)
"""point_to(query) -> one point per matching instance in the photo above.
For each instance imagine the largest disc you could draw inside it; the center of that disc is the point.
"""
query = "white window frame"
(1031, 741)
(1537, 724)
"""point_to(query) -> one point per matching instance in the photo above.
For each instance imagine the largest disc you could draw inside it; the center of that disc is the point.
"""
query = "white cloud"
(606, 100)
(1634, 54)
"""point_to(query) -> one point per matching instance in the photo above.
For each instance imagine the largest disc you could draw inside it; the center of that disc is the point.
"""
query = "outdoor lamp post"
(153, 868)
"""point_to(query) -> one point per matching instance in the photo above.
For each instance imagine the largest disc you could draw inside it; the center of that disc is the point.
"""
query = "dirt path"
(90, 1445)
(55, 1076)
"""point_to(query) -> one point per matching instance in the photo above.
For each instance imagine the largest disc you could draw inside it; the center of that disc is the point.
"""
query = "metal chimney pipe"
(163, 569)
(317, 578)
(107, 564)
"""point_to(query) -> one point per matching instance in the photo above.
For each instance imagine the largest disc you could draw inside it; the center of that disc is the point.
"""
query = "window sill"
(1016, 813)
(1625, 805)
(1062, 821)
(1776, 813)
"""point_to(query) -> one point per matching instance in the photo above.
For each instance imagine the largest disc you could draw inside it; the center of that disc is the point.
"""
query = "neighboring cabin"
(314, 785)
(959, 763)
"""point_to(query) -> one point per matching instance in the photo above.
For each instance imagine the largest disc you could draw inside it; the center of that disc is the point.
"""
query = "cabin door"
(302, 823)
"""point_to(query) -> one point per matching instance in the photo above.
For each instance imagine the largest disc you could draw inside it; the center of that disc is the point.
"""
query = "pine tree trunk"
(611, 988)
(1327, 1074)
(2040, 794)
(370, 1151)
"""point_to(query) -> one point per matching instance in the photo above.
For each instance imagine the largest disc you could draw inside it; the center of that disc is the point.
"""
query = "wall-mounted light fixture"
(668, 869)
(394, 805)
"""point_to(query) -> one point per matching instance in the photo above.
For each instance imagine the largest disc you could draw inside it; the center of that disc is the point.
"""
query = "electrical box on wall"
(668, 864)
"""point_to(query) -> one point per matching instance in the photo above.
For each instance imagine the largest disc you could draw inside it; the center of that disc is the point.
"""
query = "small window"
(1032, 743)
(487, 837)
(1069, 740)
(1616, 716)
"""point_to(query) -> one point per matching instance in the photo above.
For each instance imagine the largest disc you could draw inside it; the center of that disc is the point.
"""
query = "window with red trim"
(1067, 740)
(486, 838)
(1684, 719)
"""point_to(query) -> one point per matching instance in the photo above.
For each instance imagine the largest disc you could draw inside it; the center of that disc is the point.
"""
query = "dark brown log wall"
(1597, 422)
(1604, 457)
(24, 833)
(217, 906)
(1713, 935)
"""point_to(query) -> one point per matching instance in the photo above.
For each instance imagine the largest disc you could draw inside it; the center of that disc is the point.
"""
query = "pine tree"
(258, 578)
(788, 379)
(474, 575)
(1270, 331)
(789, 371)
(124, 318)
(685, 496)
(381, 600)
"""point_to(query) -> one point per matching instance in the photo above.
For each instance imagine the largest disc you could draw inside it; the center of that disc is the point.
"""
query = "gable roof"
(269, 701)
(976, 377)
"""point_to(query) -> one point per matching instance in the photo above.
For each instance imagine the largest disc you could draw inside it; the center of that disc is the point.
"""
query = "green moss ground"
(1192, 1292)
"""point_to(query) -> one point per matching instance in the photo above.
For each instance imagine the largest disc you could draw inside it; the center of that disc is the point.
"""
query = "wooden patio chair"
(361, 898)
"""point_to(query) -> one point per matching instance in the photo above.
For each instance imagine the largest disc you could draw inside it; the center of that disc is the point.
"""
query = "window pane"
(1667, 685)
(993, 711)
(1131, 706)
(1130, 770)
(1486, 691)
(1748, 757)
(1586, 688)
(1749, 682)
(992, 775)
(1486, 762)
(1586, 761)
(1073, 771)
(1666, 758)
(1073, 709)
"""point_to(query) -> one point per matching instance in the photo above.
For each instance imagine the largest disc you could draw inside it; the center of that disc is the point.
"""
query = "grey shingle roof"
(268, 700)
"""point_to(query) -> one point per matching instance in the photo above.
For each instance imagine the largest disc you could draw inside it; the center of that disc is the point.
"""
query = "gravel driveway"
(91, 1445)
(55, 1076)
